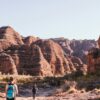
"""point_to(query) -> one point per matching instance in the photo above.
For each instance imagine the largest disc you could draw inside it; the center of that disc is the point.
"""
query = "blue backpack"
(11, 91)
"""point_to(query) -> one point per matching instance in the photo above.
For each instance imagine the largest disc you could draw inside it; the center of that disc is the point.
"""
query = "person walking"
(11, 89)
(34, 91)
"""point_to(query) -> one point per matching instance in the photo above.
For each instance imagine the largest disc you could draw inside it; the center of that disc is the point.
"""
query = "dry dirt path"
(48, 94)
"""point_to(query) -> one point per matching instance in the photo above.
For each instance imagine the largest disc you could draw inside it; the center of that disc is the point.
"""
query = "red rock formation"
(76, 60)
(7, 64)
(7, 33)
(93, 58)
(9, 37)
(99, 42)
(34, 56)
(43, 57)
(4, 44)
(40, 62)
(77, 48)
(30, 60)
(54, 54)
(30, 39)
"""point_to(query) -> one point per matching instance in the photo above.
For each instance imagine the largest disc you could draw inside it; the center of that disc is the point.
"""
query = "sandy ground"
(83, 96)
(48, 94)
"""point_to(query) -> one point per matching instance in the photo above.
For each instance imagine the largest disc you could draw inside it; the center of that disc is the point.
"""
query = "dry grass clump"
(19, 78)
(96, 91)
(68, 86)
(72, 88)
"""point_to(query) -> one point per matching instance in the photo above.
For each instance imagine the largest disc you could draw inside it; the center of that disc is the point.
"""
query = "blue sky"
(73, 19)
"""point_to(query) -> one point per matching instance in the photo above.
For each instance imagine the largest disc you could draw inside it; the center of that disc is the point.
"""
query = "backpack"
(11, 91)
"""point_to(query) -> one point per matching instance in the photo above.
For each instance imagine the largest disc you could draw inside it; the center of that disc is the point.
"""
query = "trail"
(47, 94)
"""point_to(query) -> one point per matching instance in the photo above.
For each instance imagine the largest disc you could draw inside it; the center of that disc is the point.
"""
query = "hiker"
(34, 90)
(11, 89)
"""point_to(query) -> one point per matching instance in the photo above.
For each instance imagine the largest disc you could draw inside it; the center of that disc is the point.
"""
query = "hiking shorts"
(10, 99)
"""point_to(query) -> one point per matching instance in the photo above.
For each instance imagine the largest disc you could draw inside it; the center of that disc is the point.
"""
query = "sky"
(72, 19)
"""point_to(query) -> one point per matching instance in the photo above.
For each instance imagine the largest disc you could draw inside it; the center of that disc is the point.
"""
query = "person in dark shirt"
(34, 91)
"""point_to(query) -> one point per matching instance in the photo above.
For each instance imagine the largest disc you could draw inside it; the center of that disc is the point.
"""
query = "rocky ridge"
(31, 55)
(35, 56)
(77, 48)
(94, 59)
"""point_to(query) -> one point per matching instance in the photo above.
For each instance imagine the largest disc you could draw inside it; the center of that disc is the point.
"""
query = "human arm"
(16, 88)
(6, 89)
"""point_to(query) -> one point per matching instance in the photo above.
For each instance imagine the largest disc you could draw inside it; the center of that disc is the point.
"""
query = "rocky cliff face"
(31, 55)
(30, 39)
(54, 55)
(9, 37)
(94, 59)
(7, 64)
(77, 48)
